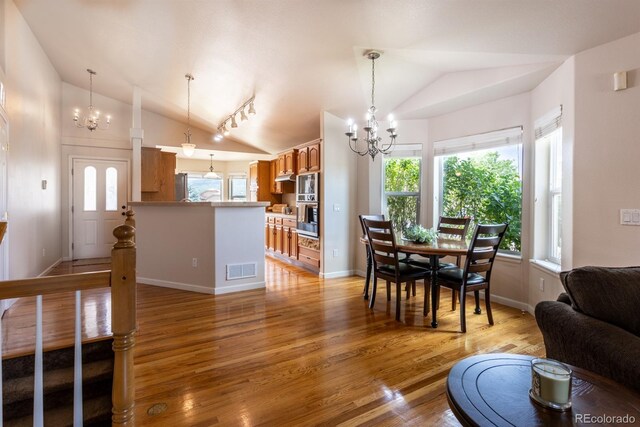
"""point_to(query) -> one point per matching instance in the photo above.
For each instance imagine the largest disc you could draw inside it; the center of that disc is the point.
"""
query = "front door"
(99, 205)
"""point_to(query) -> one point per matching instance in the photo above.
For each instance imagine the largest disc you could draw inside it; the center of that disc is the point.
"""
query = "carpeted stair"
(97, 378)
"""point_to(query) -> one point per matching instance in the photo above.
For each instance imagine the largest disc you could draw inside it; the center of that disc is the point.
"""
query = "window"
(90, 188)
(548, 187)
(2, 96)
(480, 176)
(238, 187)
(203, 189)
(401, 187)
(111, 184)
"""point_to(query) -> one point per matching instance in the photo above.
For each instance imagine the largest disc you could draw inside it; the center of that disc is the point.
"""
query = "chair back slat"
(371, 217)
(382, 243)
(454, 226)
(483, 249)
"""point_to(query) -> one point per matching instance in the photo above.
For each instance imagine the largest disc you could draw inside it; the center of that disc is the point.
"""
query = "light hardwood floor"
(305, 351)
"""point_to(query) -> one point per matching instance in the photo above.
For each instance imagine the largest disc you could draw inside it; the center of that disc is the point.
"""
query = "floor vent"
(241, 271)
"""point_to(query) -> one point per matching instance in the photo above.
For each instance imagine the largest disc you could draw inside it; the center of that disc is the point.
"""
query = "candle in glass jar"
(553, 381)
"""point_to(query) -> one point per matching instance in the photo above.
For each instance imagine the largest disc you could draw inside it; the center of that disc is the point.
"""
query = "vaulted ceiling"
(300, 57)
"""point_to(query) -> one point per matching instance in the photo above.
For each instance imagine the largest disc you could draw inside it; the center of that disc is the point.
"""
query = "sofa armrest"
(577, 339)
(563, 297)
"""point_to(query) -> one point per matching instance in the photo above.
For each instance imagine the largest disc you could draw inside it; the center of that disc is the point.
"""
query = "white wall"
(606, 155)
(33, 106)
(508, 283)
(337, 190)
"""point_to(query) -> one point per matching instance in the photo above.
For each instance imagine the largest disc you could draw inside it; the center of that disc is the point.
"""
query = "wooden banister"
(123, 323)
(54, 284)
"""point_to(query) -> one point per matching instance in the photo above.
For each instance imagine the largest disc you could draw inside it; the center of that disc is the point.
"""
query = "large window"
(203, 189)
(548, 187)
(401, 188)
(238, 187)
(480, 177)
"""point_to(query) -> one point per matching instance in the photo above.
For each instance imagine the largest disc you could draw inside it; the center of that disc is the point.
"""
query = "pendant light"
(188, 148)
(211, 174)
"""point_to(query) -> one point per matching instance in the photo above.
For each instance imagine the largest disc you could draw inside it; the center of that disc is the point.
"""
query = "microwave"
(307, 187)
(307, 223)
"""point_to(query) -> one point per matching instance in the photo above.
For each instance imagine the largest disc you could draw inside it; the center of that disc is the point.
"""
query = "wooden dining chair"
(455, 229)
(367, 280)
(386, 265)
(476, 274)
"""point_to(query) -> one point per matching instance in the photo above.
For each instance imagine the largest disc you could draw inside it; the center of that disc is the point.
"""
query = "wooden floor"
(305, 351)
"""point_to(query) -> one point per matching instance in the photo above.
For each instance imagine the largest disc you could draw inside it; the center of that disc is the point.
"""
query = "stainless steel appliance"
(307, 188)
(307, 192)
(308, 219)
(182, 191)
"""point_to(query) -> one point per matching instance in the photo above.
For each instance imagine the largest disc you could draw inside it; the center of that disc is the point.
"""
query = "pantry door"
(99, 205)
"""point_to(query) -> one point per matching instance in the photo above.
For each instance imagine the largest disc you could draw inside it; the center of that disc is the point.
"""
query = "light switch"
(630, 217)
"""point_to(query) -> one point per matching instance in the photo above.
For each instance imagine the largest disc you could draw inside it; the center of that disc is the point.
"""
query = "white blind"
(548, 123)
(481, 141)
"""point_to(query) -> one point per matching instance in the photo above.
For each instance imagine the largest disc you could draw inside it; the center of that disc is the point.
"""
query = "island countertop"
(205, 204)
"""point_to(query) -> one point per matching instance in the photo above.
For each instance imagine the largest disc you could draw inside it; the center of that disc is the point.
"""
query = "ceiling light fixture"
(188, 148)
(222, 127)
(92, 120)
(211, 174)
(373, 143)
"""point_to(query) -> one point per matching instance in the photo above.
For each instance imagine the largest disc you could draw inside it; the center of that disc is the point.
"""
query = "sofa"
(595, 325)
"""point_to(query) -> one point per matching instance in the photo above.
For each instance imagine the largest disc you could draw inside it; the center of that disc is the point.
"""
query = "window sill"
(509, 258)
(546, 266)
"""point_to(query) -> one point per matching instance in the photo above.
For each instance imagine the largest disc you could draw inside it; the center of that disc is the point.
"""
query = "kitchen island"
(208, 247)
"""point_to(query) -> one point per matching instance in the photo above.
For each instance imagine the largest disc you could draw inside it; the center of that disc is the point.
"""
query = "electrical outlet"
(194, 262)
(335, 253)
(541, 284)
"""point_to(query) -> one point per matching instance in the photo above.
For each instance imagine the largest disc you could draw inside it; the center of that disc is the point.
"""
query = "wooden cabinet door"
(278, 237)
(286, 241)
(282, 165)
(272, 237)
(303, 154)
(276, 187)
(313, 160)
(293, 244)
(290, 162)
(151, 169)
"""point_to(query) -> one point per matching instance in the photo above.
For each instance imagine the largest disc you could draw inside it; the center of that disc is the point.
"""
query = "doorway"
(99, 202)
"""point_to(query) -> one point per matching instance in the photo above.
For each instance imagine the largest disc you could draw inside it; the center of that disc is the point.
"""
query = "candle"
(551, 381)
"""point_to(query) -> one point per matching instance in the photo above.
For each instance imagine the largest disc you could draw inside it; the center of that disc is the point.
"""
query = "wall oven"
(307, 205)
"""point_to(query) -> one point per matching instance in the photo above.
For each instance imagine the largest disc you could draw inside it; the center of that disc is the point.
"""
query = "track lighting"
(232, 117)
(252, 110)
(233, 121)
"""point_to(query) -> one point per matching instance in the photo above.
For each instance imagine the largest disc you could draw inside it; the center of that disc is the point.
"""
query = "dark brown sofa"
(596, 324)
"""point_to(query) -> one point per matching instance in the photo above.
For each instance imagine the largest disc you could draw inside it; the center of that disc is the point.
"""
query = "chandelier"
(188, 148)
(92, 120)
(223, 130)
(372, 142)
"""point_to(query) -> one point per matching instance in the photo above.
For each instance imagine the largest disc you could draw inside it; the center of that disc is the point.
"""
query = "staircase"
(97, 378)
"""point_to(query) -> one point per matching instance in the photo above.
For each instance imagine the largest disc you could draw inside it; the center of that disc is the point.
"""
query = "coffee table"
(493, 390)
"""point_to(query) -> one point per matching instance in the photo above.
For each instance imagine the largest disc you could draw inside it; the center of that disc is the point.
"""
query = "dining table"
(440, 247)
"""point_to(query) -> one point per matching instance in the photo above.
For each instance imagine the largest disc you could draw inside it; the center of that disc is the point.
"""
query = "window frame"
(397, 155)
(487, 141)
(230, 178)
(554, 189)
(201, 175)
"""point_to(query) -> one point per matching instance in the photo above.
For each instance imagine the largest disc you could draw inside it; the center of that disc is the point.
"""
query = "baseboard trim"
(67, 258)
(51, 267)
(337, 274)
(175, 285)
(239, 288)
(508, 302)
(360, 273)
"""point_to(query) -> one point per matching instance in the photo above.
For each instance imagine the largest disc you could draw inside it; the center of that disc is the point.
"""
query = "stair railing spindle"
(1, 417)
(38, 400)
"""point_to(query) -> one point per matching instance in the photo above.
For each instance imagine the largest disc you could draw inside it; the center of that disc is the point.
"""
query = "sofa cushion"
(610, 294)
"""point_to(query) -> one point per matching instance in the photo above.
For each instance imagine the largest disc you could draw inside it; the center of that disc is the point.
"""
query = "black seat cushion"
(455, 275)
(404, 270)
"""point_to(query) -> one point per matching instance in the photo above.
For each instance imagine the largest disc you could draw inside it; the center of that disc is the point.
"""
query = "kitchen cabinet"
(260, 184)
(278, 237)
(287, 162)
(276, 187)
(151, 165)
(309, 158)
(293, 244)
(165, 175)
(281, 236)
(272, 237)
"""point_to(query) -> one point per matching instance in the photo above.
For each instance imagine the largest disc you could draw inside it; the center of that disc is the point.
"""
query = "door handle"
(124, 207)
(122, 213)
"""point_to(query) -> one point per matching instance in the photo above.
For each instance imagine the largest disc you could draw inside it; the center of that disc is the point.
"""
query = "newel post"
(130, 219)
(123, 323)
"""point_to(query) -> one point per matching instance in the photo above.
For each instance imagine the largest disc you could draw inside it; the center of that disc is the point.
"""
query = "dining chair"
(386, 265)
(367, 280)
(476, 273)
(455, 229)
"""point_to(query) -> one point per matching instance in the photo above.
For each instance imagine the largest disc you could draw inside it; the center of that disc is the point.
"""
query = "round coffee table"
(493, 389)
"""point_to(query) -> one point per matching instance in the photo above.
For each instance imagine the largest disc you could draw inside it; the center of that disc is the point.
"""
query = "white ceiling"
(300, 57)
